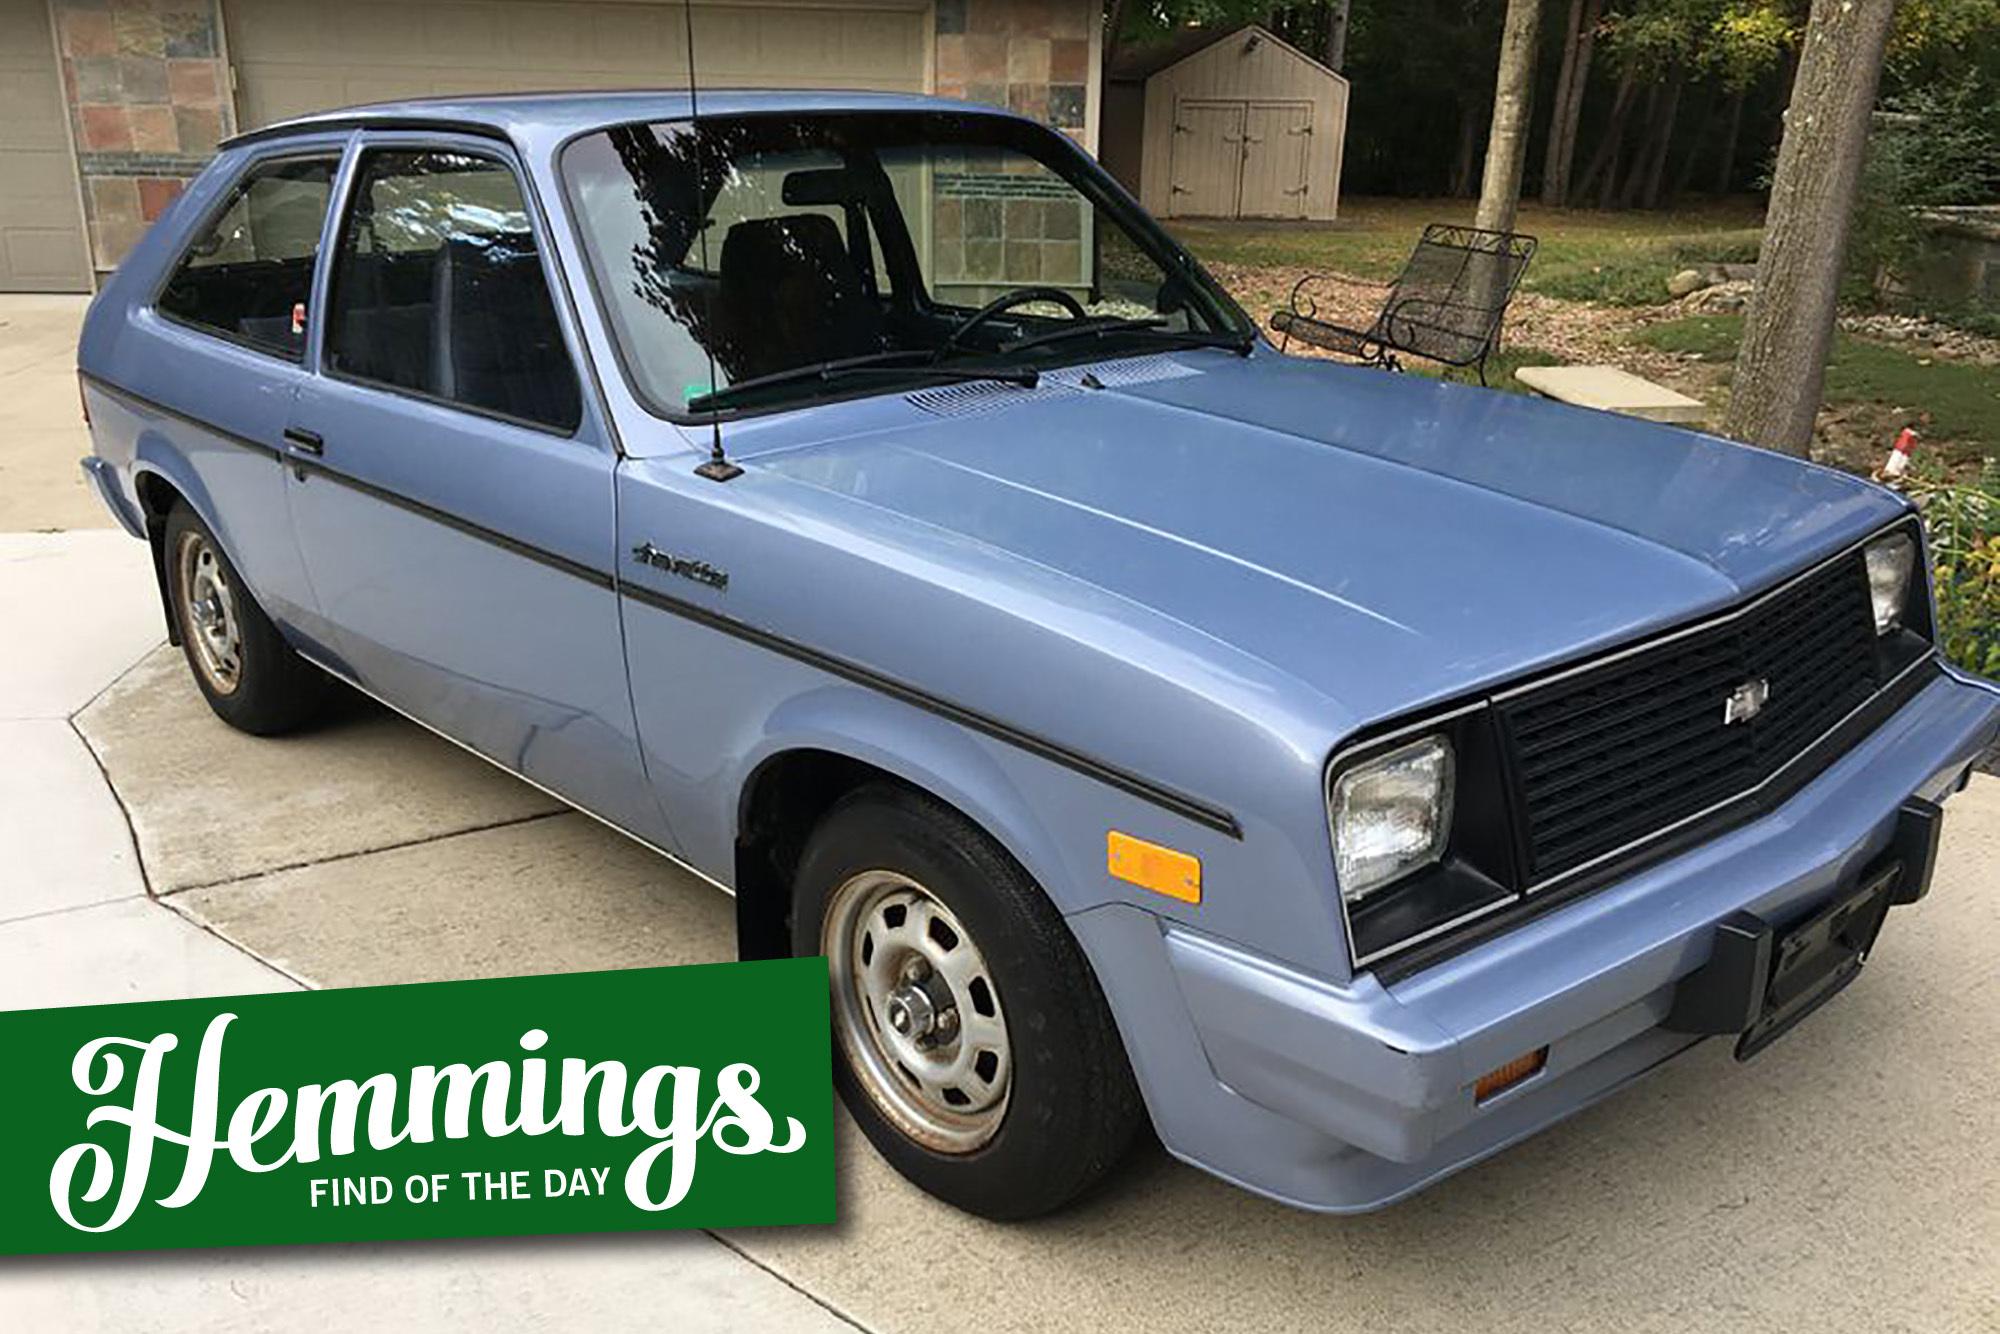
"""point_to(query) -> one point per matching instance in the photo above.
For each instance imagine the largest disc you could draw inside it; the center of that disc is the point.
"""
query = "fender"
(961, 769)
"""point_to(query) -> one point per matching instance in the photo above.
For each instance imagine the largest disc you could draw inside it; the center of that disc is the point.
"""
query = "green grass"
(1500, 368)
(1624, 258)
(1962, 399)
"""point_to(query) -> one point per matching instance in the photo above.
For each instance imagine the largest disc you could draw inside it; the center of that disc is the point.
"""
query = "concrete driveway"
(1849, 1179)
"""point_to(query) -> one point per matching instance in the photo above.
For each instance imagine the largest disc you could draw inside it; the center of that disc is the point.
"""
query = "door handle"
(304, 441)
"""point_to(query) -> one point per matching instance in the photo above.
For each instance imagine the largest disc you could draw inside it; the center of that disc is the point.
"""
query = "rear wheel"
(251, 677)
(972, 1043)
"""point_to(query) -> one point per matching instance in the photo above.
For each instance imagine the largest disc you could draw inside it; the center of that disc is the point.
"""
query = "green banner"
(580, 1102)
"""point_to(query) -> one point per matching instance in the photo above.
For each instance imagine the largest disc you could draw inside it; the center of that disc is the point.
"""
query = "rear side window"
(438, 289)
(249, 274)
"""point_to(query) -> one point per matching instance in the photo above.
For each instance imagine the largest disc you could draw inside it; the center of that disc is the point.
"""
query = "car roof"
(561, 114)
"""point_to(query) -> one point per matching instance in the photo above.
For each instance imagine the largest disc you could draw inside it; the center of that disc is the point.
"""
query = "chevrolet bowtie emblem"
(1746, 701)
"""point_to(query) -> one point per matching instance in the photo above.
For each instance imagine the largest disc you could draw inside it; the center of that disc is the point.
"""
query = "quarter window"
(438, 289)
(249, 274)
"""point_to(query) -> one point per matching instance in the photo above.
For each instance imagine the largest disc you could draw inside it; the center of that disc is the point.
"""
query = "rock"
(1722, 299)
(1686, 283)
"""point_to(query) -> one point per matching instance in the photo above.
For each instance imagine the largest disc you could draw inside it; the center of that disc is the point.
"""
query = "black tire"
(263, 687)
(1071, 1108)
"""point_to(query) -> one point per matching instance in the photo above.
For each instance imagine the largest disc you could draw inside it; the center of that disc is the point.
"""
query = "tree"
(1507, 141)
(1566, 116)
(1788, 329)
(1336, 33)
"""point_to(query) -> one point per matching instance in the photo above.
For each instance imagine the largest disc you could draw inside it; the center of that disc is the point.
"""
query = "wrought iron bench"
(1445, 306)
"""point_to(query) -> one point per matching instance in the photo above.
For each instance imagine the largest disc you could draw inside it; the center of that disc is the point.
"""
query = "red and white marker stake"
(1898, 461)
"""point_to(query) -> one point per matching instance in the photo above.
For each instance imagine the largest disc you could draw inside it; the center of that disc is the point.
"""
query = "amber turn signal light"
(1151, 866)
(1495, 1082)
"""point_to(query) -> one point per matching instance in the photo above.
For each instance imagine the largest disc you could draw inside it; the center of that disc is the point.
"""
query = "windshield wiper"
(1238, 343)
(909, 361)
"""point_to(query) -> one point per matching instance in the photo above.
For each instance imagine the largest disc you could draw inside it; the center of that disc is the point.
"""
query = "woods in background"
(1635, 103)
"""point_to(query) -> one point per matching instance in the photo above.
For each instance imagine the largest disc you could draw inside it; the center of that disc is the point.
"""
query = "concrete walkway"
(41, 417)
(85, 920)
(1848, 1179)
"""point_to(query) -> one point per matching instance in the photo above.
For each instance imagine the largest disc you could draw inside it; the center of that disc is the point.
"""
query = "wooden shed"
(1242, 125)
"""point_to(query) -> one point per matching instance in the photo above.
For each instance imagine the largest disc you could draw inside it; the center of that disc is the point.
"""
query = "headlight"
(1391, 815)
(1891, 561)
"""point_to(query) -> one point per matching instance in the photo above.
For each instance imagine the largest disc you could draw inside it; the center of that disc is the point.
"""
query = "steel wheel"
(917, 1011)
(208, 612)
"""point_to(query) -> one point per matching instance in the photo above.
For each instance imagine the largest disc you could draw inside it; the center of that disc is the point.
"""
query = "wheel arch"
(158, 494)
(790, 787)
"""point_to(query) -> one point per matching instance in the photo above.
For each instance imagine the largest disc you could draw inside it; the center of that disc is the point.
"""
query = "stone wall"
(1033, 56)
(999, 224)
(147, 90)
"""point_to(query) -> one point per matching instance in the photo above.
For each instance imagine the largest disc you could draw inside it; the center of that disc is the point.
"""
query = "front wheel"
(251, 677)
(971, 1041)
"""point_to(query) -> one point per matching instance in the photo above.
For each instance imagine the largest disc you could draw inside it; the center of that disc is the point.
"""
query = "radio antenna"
(717, 467)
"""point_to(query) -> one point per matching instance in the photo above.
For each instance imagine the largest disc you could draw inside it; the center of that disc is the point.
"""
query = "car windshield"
(760, 261)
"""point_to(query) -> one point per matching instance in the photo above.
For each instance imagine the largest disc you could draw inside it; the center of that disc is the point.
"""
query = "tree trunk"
(1468, 148)
(1725, 167)
(1656, 170)
(1695, 151)
(1552, 154)
(1507, 141)
(1614, 130)
(1114, 25)
(1781, 366)
(1635, 179)
(1336, 33)
(1568, 117)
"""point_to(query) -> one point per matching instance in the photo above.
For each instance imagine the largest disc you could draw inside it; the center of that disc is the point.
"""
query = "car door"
(451, 483)
(210, 362)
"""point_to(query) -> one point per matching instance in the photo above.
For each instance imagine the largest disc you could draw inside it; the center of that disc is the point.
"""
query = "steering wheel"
(1006, 301)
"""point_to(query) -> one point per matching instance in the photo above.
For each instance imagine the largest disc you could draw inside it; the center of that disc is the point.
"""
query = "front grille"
(1611, 754)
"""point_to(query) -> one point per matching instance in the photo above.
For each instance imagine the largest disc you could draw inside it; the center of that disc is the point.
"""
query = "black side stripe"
(1111, 775)
(306, 464)
(576, 569)
(1187, 807)
(144, 404)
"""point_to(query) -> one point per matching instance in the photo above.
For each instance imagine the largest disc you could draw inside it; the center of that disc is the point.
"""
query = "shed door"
(1276, 136)
(41, 213)
(1207, 162)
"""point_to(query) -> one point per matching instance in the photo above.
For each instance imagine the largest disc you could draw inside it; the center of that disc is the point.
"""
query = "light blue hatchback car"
(858, 499)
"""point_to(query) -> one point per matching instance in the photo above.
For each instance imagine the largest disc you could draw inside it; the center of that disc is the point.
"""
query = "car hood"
(1389, 540)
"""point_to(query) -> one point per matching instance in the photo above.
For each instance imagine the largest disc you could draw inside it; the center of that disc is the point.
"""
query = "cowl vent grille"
(977, 396)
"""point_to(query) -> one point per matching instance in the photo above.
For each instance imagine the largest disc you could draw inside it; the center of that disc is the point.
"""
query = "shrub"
(1940, 146)
(1963, 521)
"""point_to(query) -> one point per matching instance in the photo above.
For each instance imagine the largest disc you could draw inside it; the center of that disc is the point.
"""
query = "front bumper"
(1346, 1097)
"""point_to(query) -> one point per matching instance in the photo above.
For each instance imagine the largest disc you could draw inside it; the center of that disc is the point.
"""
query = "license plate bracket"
(1815, 960)
(1758, 981)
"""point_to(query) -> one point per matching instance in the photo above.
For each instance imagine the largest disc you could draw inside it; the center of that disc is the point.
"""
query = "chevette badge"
(685, 566)
(1746, 701)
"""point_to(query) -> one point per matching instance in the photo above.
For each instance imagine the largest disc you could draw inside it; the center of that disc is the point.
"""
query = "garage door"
(41, 214)
(293, 57)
